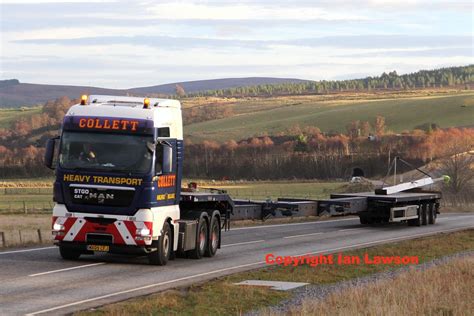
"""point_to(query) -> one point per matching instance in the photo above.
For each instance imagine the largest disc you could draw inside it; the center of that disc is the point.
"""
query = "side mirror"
(167, 158)
(49, 154)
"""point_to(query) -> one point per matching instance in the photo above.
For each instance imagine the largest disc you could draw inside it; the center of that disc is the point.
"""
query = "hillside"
(27, 94)
(214, 84)
(270, 116)
(16, 94)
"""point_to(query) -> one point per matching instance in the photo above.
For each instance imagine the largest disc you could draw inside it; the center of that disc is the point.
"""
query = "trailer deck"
(394, 197)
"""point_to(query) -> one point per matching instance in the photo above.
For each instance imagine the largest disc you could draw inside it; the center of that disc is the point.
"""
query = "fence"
(25, 200)
(20, 237)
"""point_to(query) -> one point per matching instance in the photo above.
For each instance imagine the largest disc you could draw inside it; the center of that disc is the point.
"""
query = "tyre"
(416, 221)
(214, 238)
(69, 254)
(364, 220)
(201, 240)
(164, 245)
(424, 214)
(431, 214)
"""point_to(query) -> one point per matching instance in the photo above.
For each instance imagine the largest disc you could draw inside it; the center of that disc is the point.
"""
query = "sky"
(125, 44)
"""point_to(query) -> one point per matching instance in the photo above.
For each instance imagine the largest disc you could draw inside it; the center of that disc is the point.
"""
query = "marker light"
(83, 99)
(146, 103)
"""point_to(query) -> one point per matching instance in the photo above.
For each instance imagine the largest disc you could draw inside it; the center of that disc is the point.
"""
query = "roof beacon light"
(146, 103)
(83, 99)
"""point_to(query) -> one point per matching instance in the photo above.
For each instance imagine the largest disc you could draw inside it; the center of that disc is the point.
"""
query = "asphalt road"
(37, 281)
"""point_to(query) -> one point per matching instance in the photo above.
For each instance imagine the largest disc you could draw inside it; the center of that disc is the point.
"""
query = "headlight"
(58, 227)
(143, 232)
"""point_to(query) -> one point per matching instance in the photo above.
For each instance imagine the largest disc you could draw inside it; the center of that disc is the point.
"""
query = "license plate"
(100, 248)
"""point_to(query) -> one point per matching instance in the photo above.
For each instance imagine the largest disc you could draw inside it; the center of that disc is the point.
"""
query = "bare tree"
(460, 168)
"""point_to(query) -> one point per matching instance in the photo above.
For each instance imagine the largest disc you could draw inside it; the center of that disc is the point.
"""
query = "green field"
(274, 190)
(7, 116)
(256, 117)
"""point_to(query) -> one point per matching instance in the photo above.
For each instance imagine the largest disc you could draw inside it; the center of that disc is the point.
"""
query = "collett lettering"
(98, 123)
(167, 181)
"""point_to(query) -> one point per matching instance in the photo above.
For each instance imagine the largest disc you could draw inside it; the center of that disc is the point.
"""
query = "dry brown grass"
(28, 225)
(447, 289)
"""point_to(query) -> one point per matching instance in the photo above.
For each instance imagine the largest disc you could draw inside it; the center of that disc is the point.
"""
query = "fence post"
(3, 239)
(39, 236)
(21, 239)
(24, 207)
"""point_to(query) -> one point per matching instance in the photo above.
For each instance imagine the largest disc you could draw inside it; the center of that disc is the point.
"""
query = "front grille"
(101, 196)
(101, 239)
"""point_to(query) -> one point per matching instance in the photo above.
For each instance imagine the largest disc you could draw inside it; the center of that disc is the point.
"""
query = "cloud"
(203, 11)
(362, 41)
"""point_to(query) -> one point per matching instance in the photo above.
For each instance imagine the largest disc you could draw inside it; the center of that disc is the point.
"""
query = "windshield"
(105, 152)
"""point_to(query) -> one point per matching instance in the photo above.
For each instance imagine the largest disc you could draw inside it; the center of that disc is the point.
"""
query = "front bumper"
(115, 249)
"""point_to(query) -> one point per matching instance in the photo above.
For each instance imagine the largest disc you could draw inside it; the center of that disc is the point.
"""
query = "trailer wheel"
(424, 214)
(364, 220)
(431, 214)
(416, 221)
(214, 238)
(201, 240)
(161, 256)
(69, 254)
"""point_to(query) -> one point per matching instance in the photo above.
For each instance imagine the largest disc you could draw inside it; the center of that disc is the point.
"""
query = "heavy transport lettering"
(102, 179)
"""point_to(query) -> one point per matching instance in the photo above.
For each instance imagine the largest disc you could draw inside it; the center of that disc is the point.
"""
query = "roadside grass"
(446, 289)
(220, 296)
(270, 116)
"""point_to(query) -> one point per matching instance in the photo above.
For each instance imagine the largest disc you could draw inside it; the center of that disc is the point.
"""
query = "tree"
(180, 90)
(379, 125)
(459, 167)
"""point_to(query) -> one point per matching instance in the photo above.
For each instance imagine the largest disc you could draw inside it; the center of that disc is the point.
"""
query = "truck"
(118, 164)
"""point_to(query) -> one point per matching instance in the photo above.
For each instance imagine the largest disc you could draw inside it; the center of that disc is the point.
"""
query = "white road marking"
(67, 269)
(25, 250)
(292, 224)
(243, 243)
(348, 229)
(233, 268)
(295, 236)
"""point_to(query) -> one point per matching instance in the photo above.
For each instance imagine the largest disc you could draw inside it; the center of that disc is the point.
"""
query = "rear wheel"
(416, 221)
(162, 255)
(201, 240)
(69, 254)
(214, 238)
(364, 220)
(431, 214)
(424, 214)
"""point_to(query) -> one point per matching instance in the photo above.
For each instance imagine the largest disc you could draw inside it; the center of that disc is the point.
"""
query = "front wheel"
(162, 255)
(69, 254)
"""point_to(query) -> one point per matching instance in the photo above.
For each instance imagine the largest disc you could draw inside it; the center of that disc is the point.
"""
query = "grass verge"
(22, 230)
(442, 290)
(220, 296)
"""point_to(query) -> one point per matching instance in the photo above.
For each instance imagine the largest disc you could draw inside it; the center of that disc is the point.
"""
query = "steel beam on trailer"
(404, 186)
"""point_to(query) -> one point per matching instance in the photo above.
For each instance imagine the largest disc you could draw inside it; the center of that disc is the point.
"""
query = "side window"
(164, 132)
(159, 159)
